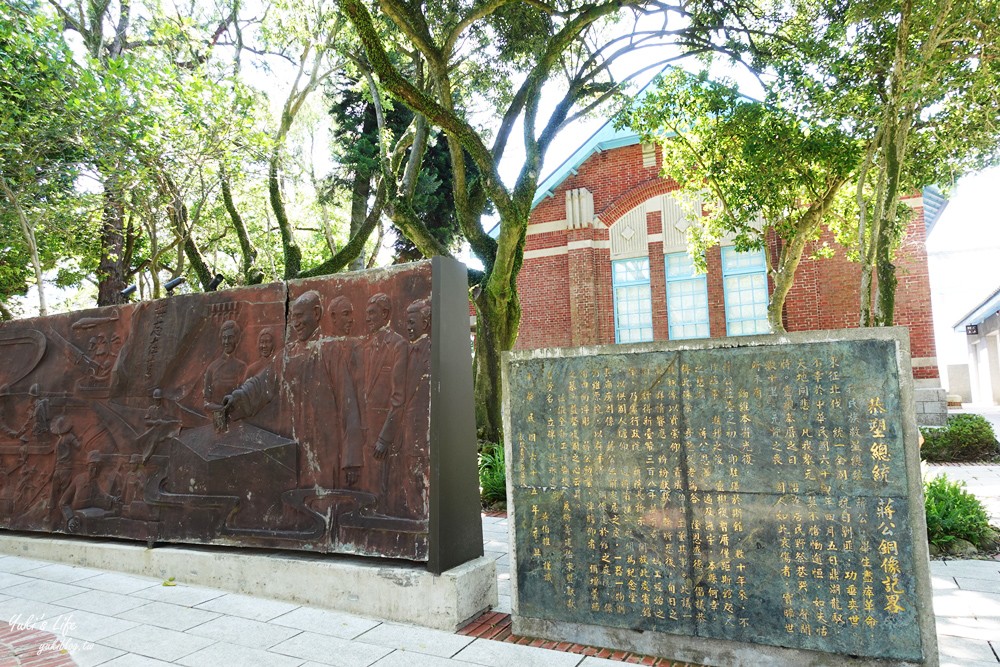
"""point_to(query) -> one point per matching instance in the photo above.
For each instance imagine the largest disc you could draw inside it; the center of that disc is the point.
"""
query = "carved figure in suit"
(226, 372)
(342, 360)
(385, 378)
(308, 395)
(413, 442)
(299, 382)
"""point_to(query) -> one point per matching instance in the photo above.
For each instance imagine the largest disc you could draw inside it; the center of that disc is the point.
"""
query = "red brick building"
(606, 261)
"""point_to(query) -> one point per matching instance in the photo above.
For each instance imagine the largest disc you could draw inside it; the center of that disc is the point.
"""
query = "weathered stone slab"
(699, 500)
(307, 415)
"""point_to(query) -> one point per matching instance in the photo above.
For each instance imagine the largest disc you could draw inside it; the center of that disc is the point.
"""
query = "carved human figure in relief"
(37, 422)
(66, 447)
(225, 373)
(133, 488)
(267, 367)
(265, 347)
(304, 393)
(99, 353)
(85, 491)
(305, 314)
(416, 421)
(342, 361)
(384, 381)
(160, 424)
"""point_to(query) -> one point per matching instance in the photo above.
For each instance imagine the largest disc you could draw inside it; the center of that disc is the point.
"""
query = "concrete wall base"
(931, 406)
(713, 652)
(388, 590)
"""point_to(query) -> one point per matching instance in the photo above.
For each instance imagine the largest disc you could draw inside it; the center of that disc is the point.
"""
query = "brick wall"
(565, 283)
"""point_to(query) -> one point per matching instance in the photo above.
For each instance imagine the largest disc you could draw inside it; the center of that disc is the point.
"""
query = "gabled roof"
(934, 205)
(606, 138)
(979, 314)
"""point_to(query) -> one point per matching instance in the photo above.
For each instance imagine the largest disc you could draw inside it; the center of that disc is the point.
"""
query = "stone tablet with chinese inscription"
(760, 495)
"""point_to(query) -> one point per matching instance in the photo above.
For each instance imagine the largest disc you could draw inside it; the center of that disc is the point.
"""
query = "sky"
(963, 254)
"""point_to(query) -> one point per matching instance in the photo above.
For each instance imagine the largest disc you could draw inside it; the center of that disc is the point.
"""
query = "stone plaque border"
(719, 652)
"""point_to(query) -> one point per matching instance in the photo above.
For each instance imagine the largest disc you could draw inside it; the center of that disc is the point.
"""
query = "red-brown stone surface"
(291, 416)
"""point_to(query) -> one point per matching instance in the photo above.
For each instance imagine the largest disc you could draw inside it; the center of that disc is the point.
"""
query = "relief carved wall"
(291, 416)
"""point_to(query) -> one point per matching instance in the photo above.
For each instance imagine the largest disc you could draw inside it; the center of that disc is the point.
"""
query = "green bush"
(953, 513)
(963, 438)
(492, 474)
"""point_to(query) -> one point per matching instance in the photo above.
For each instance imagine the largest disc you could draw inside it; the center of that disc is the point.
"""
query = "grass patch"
(964, 438)
(955, 514)
(492, 474)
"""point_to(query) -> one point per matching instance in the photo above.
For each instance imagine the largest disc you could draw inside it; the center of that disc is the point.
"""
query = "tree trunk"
(784, 277)
(791, 255)
(111, 270)
(498, 316)
(28, 230)
(865, 315)
(251, 274)
(177, 211)
(362, 188)
(291, 250)
(885, 304)
(885, 299)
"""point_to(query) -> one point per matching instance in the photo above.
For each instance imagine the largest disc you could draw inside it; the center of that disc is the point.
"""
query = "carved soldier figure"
(385, 377)
(160, 426)
(225, 373)
(66, 447)
(342, 360)
(416, 422)
(99, 354)
(134, 492)
(38, 416)
(85, 490)
(135, 480)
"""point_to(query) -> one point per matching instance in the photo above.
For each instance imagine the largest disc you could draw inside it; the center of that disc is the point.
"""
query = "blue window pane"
(687, 298)
(744, 280)
(633, 300)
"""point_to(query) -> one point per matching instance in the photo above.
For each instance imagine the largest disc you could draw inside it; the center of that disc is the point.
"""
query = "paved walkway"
(117, 620)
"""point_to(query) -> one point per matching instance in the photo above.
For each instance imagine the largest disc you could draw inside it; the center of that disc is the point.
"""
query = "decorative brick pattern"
(27, 647)
(496, 626)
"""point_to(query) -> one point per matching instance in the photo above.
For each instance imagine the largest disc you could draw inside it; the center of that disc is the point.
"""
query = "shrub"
(492, 474)
(953, 513)
(964, 438)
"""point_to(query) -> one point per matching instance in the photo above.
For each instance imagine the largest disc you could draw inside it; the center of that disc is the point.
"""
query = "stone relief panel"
(291, 416)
